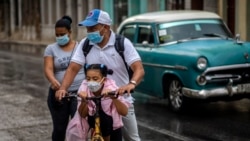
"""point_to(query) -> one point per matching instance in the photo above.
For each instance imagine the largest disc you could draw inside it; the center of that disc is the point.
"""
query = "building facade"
(35, 19)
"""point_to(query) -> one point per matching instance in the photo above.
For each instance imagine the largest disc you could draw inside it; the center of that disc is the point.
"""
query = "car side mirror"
(237, 39)
(146, 44)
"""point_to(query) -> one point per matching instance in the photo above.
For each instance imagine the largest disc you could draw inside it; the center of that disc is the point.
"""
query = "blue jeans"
(60, 113)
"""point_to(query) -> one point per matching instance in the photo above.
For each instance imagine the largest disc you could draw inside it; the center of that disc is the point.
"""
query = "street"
(191, 50)
(25, 116)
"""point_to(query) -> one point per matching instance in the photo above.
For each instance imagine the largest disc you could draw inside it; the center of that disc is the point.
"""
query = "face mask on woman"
(94, 86)
(62, 40)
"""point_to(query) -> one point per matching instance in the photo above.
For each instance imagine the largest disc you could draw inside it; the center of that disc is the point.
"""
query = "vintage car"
(189, 56)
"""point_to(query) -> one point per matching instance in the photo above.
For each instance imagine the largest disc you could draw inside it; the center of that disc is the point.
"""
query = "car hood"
(217, 52)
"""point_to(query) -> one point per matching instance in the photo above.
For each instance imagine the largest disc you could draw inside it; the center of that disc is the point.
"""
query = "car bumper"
(216, 92)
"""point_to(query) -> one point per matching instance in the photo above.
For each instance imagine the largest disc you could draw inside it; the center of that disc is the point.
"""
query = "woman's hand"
(60, 94)
(55, 85)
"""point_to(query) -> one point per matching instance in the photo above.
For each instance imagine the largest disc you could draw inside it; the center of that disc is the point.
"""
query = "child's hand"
(105, 93)
(83, 95)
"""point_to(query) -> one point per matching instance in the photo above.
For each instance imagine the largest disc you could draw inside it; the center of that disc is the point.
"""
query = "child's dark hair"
(65, 21)
(103, 68)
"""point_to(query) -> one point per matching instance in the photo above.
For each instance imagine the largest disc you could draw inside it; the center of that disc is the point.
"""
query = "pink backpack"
(77, 129)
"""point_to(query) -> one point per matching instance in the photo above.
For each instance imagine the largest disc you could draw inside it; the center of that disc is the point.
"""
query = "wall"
(19, 15)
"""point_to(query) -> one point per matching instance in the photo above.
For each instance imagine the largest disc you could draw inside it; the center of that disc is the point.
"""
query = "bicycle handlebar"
(69, 95)
(112, 93)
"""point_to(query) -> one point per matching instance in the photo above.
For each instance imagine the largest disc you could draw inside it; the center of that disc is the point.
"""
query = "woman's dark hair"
(103, 68)
(65, 21)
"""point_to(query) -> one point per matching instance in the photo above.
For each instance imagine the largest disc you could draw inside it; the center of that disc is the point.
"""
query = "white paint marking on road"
(165, 132)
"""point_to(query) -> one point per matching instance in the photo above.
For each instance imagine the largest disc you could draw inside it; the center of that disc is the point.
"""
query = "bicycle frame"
(97, 135)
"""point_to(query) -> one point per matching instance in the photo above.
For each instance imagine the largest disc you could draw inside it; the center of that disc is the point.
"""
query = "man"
(103, 51)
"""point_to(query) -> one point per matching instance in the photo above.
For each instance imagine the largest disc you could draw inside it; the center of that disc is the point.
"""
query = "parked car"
(189, 55)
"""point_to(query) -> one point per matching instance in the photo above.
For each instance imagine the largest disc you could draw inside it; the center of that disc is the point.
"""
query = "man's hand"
(126, 88)
(60, 94)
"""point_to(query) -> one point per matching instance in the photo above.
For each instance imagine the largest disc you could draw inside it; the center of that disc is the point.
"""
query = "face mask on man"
(62, 40)
(94, 86)
(95, 36)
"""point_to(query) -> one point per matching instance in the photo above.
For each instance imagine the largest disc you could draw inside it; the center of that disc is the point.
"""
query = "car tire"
(176, 100)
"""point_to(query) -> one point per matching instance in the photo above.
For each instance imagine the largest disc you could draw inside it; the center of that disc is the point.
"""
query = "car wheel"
(175, 97)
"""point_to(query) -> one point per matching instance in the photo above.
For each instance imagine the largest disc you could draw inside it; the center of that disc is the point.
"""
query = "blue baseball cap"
(96, 16)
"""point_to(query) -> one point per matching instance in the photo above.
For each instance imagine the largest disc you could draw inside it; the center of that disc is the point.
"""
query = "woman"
(56, 60)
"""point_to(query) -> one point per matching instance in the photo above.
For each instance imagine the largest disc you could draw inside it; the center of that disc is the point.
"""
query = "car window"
(145, 35)
(168, 32)
(129, 32)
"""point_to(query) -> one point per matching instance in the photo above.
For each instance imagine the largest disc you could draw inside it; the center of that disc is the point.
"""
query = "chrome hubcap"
(175, 95)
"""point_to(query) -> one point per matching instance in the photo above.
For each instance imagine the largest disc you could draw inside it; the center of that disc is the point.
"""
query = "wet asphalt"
(24, 115)
(23, 94)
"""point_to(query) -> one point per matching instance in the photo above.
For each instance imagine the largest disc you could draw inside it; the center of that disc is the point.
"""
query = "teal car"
(189, 56)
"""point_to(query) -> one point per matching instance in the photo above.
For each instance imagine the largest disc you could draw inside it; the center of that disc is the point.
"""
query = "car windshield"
(180, 30)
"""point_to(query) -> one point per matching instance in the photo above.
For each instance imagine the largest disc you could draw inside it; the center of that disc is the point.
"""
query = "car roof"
(172, 15)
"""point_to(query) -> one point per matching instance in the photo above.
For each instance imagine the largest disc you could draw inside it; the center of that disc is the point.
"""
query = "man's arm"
(138, 75)
(138, 70)
(69, 77)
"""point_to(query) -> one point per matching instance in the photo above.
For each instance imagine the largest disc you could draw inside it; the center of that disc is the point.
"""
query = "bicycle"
(96, 135)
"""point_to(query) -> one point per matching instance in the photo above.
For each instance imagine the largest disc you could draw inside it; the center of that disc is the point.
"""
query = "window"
(129, 32)
(145, 35)
(169, 32)
(121, 11)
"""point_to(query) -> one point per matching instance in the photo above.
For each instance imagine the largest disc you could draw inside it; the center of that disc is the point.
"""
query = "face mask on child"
(94, 86)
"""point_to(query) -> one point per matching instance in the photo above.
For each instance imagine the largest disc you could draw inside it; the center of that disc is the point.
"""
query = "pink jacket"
(106, 103)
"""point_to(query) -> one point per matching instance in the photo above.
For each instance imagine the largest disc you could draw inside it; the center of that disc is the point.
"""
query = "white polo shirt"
(110, 57)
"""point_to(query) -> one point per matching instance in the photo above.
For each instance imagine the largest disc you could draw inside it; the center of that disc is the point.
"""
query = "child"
(112, 109)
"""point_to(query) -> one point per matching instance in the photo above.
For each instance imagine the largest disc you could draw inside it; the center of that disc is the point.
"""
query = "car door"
(143, 38)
